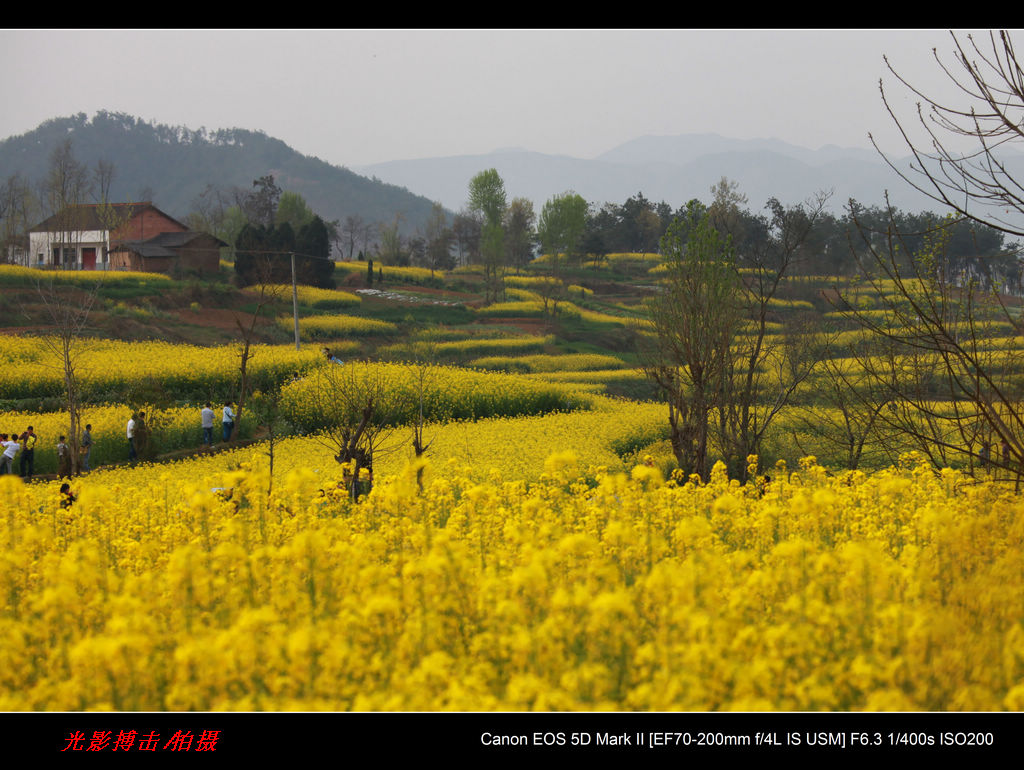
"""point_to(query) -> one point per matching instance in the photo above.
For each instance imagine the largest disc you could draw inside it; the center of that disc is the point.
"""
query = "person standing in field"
(85, 447)
(207, 416)
(131, 438)
(11, 447)
(28, 453)
(228, 421)
(63, 459)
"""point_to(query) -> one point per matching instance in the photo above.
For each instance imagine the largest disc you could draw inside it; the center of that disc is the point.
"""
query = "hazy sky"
(353, 97)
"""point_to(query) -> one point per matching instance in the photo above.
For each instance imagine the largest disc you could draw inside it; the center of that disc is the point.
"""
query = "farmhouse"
(120, 236)
(168, 252)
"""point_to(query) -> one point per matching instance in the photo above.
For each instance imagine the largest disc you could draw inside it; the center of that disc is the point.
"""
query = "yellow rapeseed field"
(30, 369)
(336, 326)
(585, 589)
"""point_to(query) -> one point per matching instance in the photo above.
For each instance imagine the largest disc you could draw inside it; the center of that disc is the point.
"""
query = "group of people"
(985, 455)
(137, 434)
(137, 431)
(207, 416)
(25, 443)
(12, 444)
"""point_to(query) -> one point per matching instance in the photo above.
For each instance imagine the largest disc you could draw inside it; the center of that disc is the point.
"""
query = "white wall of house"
(41, 246)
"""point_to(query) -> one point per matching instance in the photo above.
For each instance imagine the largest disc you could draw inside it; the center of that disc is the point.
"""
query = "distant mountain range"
(172, 165)
(670, 168)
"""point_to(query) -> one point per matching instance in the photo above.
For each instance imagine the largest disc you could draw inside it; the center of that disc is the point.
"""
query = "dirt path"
(167, 457)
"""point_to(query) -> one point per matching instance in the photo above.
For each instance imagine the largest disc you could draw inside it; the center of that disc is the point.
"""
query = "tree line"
(503, 233)
(937, 368)
(279, 226)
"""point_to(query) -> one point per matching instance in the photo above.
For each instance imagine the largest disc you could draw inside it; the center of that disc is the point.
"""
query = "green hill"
(172, 165)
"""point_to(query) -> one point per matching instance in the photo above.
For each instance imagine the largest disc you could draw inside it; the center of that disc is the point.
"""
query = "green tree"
(313, 263)
(263, 255)
(560, 229)
(562, 223)
(293, 209)
(487, 197)
(231, 227)
(726, 209)
(649, 225)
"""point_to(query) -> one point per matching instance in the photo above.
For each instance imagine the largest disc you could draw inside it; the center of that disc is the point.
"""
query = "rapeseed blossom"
(583, 589)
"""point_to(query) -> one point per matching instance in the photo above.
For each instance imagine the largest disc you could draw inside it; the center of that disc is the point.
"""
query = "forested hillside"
(173, 166)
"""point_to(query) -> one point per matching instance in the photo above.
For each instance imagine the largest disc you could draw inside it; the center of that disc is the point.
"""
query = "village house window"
(69, 255)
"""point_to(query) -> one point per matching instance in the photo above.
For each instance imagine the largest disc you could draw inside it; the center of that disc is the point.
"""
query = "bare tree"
(366, 234)
(17, 211)
(439, 239)
(695, 321)
(950, 370)
(762, 373)
(392, 250)
(956, 389)
(266, 407)
(66, 187)
(361, 412)
(110, 217)
(260, 203)
(210, 212)
(848, 408)
(467, 227)
(551, 290)
(982, 182)
(724, 377)
(520, 224)
(67, 308)
(351, 232)
(423, 356)
(103, 179)
(267, 292)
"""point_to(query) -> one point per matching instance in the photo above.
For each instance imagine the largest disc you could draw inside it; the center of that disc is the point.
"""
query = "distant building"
(120, 236)
(169, 252)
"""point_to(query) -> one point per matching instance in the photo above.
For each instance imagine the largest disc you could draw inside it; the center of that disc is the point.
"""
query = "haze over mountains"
(670, 168)
(174, 165)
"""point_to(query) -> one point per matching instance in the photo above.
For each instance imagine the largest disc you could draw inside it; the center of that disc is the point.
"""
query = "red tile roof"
(96, 216)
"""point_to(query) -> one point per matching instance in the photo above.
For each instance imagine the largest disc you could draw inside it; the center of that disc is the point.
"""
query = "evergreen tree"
(315, 265)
